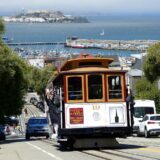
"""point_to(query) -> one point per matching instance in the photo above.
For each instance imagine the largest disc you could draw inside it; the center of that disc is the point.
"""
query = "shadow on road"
(118, 147)
(16, 139)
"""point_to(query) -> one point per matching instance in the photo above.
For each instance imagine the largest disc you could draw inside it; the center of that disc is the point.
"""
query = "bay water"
(114, 27)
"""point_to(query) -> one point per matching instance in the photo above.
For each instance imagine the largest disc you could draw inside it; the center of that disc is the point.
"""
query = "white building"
(36, 62)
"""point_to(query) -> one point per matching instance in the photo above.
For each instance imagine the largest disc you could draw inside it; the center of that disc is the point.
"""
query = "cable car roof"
(85, 62)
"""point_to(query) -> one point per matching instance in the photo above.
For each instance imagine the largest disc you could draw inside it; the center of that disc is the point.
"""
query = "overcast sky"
(84, 6)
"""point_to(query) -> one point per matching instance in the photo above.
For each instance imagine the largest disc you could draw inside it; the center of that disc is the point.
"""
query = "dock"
(131, 45)
(34, 43)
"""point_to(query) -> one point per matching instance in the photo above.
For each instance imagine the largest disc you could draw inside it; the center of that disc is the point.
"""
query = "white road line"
(42, 150)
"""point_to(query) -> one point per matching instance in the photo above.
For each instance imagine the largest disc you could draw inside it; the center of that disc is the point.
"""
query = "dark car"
(2, 134)
(33, 100)
(37, 126)
(40, 105)
(12, 120)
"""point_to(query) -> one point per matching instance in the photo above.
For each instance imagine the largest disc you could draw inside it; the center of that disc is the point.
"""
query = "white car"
(150, 125)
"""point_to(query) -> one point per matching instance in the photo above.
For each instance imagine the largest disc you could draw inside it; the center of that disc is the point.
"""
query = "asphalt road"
(131, 148)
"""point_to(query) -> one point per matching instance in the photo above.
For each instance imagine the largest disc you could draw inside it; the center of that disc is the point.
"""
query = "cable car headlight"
(96, 116)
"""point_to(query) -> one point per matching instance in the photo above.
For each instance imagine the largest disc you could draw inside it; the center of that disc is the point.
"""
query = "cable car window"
(95, 90)
(114, 87)
(74, 88)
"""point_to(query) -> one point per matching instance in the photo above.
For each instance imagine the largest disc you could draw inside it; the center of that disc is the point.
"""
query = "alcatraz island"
(43, 16)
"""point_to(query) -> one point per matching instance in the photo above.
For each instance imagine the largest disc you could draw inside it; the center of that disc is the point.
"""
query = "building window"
(95, 88)
(75, 88)
(114, 87)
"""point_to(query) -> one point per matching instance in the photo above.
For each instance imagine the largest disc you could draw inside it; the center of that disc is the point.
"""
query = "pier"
(130, 45)
(34, 43)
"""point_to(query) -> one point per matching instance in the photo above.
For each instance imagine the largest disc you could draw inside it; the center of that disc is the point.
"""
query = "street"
(135, 148)
(17, 148)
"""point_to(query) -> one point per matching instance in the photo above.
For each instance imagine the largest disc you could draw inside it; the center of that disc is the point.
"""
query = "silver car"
(37, 126)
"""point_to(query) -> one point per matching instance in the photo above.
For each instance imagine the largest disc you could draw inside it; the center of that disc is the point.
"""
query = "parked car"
(33, 100)
(40, 105)
(11, 120)
(2, 134)
(141, 108)
(37, 126)
(150, 125)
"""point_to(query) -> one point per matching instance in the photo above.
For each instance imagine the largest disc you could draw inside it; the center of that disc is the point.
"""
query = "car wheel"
(66, 146)
(63, 146)
(27, 137)
(146, 133)
(3, 138)
(139, 133)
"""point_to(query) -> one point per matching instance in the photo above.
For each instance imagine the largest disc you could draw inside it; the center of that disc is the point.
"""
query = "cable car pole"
(61, 107)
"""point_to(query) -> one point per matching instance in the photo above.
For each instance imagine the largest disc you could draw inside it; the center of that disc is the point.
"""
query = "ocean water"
(115, 28)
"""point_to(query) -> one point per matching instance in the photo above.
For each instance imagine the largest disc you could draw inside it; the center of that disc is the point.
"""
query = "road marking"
(44, 151)
(150, 149)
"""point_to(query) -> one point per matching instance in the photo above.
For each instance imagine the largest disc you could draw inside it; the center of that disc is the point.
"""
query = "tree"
(146, 88)
(39, 79)
(2, 28)
(13, 82)
(34, 77)
(46, 74)
(151, 64)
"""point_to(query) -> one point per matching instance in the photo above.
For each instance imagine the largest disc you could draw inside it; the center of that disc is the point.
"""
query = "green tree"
(147, 90)
(2, 28)
(13, 82)
(151, 63)
(33, 77)
(39, 79)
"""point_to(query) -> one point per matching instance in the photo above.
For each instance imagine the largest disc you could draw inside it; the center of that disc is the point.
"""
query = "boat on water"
(6, 39)
(102, 33)
(80, 46)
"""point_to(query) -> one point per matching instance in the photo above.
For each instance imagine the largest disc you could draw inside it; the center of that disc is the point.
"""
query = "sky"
(83, 6)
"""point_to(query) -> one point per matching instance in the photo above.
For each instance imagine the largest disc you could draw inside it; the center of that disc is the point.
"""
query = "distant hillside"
(46, 17)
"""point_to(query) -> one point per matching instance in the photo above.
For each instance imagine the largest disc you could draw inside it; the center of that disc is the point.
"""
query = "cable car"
(93, 107)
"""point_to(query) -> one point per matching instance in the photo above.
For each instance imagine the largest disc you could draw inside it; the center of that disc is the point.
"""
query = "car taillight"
(150, 122)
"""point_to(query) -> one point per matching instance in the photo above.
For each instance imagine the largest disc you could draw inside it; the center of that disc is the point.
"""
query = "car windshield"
(38, 121)
(155, 118)
(139, 112)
